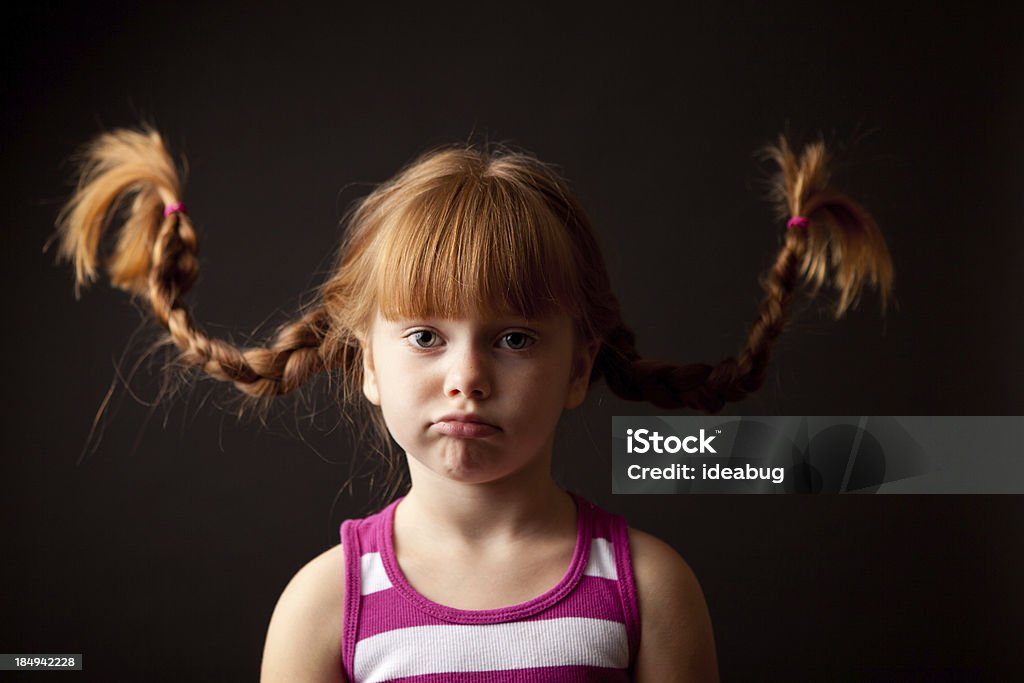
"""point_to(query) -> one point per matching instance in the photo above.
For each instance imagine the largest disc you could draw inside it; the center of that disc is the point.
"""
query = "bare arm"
(676, 641)
(304, 638)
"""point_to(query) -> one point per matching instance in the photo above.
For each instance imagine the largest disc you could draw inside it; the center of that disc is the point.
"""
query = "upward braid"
(156, 258)
(825, 229)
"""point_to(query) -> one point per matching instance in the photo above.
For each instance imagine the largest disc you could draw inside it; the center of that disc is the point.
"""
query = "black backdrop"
(160, 556)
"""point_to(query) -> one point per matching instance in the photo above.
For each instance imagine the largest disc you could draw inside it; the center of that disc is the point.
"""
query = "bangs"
(475, 247)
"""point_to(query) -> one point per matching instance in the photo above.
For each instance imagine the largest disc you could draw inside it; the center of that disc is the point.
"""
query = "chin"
(468, 467)
(468, 461)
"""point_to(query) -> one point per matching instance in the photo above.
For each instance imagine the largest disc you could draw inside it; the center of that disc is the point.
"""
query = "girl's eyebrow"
(516, 321)
(492, 324)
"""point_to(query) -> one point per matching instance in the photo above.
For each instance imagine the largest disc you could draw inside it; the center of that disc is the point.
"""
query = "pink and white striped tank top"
(586, 628)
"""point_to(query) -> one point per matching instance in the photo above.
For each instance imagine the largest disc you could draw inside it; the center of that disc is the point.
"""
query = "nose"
(468, 374)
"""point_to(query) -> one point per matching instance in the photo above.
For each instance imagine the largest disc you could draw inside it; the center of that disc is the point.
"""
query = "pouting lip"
(464, 417)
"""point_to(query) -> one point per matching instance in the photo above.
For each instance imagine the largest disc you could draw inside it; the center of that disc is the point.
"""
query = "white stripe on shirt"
(420, 650)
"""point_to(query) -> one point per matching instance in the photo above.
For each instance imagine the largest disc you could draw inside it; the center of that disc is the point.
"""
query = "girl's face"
(475, 399)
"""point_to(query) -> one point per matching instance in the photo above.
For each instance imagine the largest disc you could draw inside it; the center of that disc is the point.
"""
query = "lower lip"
(465, 430)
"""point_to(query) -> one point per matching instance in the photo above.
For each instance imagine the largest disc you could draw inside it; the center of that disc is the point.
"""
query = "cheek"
(390, 394)
(399, 423)
(546, 398)
(401, 401)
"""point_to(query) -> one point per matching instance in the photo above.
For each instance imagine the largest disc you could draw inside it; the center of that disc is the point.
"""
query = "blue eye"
(517, 341)
(422, 339)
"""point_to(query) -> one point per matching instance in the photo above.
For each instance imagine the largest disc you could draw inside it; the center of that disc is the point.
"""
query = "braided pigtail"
(826, 232)
(827, 228)
(156, 258)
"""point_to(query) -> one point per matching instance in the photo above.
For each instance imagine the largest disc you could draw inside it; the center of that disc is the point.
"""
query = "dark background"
(161, 554)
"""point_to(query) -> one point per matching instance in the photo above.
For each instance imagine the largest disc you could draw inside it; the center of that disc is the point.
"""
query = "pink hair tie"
(174, 207)
(797, 222)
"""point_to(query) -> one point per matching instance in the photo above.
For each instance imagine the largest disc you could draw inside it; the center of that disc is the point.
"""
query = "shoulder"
(676, 640)
(304, 637)
(659, 570)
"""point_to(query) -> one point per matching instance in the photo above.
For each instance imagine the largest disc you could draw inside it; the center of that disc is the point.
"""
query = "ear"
(583, 365)
(370, 388)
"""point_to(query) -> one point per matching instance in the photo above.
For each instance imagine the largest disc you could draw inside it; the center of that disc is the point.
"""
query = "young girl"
(470, 306)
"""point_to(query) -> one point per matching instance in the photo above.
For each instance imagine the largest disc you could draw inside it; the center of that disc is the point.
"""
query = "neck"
(524, 503)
